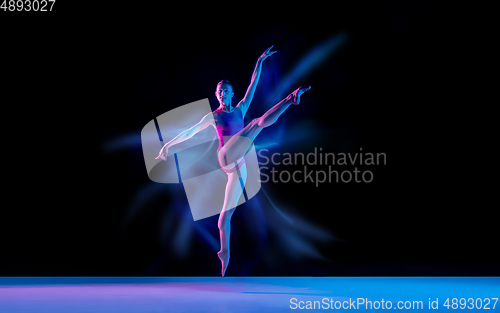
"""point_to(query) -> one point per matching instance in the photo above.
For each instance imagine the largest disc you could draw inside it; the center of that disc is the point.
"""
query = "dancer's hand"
(267, 53)
(294, 97)
(163, 154)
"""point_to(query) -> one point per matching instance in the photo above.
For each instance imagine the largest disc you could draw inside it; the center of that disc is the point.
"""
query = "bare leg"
(241, 142)
(234, 190)
(230, 155)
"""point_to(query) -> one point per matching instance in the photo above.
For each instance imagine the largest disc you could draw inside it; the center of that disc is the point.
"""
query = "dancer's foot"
(224, 258)
(294, 97)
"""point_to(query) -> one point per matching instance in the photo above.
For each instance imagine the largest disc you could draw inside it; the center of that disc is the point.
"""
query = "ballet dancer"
(235, 140)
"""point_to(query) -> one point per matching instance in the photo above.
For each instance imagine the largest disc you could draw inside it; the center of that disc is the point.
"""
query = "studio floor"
(246, 294)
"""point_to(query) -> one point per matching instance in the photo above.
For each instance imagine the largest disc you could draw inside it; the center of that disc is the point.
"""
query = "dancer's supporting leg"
(234, 189)
(242, 141)
(231, 153)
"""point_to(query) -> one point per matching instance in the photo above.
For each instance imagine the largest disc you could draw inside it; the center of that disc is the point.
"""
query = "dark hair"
(225, 81)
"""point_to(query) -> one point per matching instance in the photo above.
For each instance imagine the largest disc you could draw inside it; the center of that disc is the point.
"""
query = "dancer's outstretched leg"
(234, 190)
(241, 142)
(233, 151)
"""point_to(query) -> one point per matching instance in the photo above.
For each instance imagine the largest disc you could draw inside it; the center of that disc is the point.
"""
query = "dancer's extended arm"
(247, 99)
(206, 121)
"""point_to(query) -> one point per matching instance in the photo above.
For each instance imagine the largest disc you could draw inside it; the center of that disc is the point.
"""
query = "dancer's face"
(224, 93)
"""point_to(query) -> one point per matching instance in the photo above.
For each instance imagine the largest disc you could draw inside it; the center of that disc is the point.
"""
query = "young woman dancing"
(235, 140)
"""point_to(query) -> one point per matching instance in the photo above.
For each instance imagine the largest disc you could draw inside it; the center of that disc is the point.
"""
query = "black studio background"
(78, 78)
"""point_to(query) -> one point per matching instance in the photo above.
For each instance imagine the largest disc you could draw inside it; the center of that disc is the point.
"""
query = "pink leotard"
(227, 125)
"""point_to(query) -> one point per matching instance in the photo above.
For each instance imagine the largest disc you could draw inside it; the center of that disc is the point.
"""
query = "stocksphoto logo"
(193, 162)
(319, 158)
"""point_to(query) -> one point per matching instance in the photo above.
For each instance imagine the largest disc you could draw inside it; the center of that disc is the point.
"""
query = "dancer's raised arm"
(247, 99)
(206, 121)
